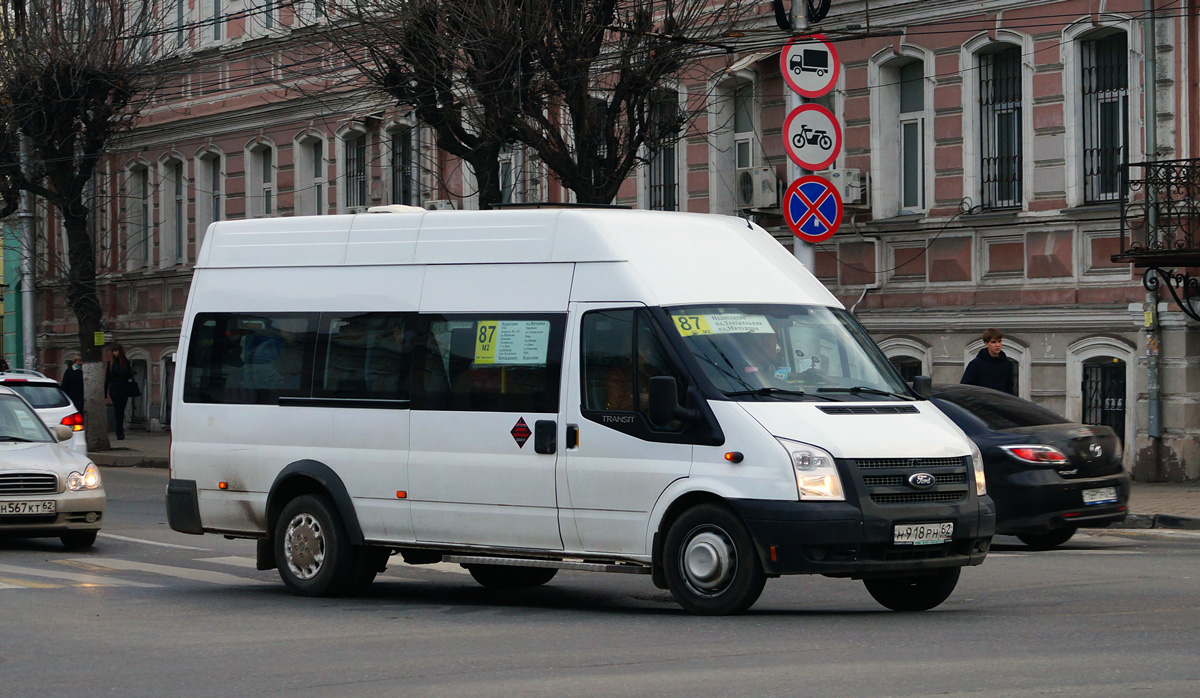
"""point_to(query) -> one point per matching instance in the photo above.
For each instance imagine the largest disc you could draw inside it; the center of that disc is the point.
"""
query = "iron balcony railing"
(1160, 229)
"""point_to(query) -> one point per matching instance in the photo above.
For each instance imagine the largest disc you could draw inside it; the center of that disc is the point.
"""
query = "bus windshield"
(772, 352)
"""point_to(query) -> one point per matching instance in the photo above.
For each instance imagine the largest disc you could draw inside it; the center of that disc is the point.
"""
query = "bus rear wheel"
(314, 551)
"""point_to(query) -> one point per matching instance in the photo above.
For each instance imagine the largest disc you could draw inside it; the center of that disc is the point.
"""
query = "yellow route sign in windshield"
(723, 323)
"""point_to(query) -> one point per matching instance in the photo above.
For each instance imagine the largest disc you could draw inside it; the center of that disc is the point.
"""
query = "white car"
(50, 402)
(46, 489)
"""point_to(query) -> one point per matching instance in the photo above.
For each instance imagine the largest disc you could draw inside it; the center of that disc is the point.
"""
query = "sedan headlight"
(89, 479)
(977, 462)
(817, 476)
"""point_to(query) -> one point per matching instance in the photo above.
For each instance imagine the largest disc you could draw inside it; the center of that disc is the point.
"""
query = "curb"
(1144, 521)
(111, 459)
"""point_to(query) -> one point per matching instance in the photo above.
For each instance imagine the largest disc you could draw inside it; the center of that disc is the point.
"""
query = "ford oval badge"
(921, 481)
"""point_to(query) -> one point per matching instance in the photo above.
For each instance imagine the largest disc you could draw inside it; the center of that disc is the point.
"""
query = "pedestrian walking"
(991, 368)
(119, 386)
(72, 383)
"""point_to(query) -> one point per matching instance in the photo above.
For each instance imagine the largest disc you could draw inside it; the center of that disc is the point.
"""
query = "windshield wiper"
(774, 392)
(15, 438)
(860, 389)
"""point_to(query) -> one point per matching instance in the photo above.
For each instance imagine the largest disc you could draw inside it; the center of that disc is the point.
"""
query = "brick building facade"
(989, 135)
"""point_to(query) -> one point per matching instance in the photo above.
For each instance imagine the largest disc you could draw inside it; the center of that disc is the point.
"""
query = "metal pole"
(1152, 327)
(26, 215)
(806, 252)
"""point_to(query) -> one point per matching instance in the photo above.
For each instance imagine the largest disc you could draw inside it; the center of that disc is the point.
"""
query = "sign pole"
(805, 252)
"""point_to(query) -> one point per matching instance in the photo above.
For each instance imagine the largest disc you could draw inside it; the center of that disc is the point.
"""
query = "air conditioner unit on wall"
(851, 185)
(439, 205)
(756, 187)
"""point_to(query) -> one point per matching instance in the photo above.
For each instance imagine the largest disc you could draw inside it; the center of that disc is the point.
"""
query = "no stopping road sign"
(812, 208)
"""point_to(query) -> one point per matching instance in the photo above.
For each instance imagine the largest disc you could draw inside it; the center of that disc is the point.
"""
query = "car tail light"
(75, 421)
(1043, 455)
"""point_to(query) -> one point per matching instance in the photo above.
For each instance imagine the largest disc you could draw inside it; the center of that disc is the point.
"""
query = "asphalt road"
(150, 612)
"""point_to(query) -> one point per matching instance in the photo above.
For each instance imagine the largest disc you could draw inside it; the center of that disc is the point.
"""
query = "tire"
(918, 593)
(78, 540)
(313, 549)
(710, 563)
(501, 577)
(1050, 539)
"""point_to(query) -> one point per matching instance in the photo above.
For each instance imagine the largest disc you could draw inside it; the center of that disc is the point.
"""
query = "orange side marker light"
(223, 485)
(401, 494)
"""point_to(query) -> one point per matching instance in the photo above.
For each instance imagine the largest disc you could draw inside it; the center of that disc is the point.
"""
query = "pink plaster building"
(989, 137)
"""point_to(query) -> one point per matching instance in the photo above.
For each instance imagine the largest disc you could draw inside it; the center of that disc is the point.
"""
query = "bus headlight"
(977, 462)
(817, 476)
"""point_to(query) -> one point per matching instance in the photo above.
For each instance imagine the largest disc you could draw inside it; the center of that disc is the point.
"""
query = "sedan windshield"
(787, 352)
(19, 423)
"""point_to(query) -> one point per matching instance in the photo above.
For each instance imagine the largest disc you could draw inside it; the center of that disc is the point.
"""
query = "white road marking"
(247, 562)
(10, 586)
(150, 542)
(92, 579)
(170, 571)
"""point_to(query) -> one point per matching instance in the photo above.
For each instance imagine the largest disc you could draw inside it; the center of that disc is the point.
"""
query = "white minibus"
(527, 390)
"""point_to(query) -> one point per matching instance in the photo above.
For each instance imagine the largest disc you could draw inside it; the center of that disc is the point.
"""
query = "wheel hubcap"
(709, 561)
(304, 546)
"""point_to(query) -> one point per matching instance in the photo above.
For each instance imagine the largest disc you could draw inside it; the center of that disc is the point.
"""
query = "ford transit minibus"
(524, 391)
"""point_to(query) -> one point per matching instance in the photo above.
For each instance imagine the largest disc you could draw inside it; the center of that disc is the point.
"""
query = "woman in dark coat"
(118, 385)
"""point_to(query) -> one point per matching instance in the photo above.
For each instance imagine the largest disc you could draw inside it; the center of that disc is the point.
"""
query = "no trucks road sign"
(812, 208)
(809, 65)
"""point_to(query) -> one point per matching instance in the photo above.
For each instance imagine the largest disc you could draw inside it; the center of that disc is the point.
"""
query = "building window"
(310, 177)
(1104, 86)
(180, 22)
(512, 176)
(744, 142)
(912, 136)
(178, 211)
(356, 170)
(217, 18)
(139, 229)
(261, 176)
(208, 194)
(403, 175)
(664, 173)
(1000, 128)
(268, 14)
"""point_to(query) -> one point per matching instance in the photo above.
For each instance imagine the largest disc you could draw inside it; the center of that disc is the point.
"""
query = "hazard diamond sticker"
(521, 433)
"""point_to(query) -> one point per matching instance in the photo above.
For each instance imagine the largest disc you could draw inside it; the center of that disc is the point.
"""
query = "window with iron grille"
(356, 171)
(664, 174)
(1104, 87)
(402, 166)
(1000, 128)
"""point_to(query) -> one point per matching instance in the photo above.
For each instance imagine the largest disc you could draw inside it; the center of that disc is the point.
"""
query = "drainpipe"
(1152, 327)
(26, 215)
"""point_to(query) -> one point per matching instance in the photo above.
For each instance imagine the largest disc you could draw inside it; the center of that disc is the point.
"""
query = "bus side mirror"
(664, 402)
(923, 386)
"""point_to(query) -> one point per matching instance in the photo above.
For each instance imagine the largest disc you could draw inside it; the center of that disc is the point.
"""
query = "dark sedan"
(1047, 475)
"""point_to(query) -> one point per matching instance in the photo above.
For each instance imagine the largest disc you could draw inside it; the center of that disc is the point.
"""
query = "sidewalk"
(1151, 504)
